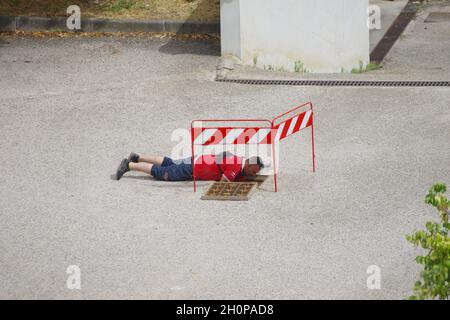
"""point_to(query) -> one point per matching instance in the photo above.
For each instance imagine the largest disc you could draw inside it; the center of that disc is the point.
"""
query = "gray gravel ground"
(72, 108)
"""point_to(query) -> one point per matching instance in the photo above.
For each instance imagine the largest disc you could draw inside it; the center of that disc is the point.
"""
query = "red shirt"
(207, 168)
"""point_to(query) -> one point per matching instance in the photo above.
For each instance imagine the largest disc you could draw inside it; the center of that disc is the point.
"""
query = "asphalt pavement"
(73, 108)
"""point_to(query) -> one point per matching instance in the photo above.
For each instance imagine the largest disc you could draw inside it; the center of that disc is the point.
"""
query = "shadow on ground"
(176, 46)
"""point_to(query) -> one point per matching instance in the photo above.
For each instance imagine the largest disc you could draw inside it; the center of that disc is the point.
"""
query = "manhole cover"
(230, 191)
(260, 179)
(438, 17)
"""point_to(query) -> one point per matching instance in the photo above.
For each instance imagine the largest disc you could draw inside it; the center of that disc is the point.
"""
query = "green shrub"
(434, 280)
(119, 5)
(369, 67)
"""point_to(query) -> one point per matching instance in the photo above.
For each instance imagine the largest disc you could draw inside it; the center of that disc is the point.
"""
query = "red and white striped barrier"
(253, 131)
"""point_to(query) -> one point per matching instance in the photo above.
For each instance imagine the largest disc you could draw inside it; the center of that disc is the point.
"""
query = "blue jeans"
(173, 170)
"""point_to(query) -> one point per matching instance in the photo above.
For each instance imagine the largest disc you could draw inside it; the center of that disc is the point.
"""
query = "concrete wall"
(297, 35)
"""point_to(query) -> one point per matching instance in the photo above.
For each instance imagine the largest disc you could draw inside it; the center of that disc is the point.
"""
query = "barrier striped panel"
(224, 135)
(215, 136)
(293, 125)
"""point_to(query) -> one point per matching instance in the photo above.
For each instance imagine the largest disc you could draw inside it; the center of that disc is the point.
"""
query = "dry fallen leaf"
(215, 38)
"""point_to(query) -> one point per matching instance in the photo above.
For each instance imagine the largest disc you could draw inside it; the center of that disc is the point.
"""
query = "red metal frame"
(272, 140)
(292, 110)
(310, 105)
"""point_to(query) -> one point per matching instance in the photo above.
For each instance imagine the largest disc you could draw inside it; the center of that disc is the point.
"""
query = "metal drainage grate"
(339, 83)
(230, 191)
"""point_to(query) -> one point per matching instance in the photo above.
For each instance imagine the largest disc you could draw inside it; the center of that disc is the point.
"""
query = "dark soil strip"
(394, 32)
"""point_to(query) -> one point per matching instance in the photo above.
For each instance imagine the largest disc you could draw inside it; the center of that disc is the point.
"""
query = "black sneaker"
(133, 157)
(123, 168)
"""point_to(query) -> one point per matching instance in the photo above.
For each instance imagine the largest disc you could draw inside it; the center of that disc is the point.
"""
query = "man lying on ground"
(221, 167)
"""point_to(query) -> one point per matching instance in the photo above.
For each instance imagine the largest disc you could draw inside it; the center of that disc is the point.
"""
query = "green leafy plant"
(119, 5)
(299, 66)
(373, 66)
(434, 280)
(255, 60)
(369, 67)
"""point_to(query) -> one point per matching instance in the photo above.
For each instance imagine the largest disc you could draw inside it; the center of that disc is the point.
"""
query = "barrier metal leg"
(312, 143)
(274, 167)
(193, 176)
(192, 161)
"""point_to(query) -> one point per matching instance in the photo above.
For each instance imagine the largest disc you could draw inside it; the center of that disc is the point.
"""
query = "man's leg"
(160, 161)
(141, 167)
(173, 172)
(126, 166)
(151, 159)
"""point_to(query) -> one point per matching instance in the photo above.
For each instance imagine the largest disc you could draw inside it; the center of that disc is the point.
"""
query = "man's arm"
(232, 170)
(230, 174)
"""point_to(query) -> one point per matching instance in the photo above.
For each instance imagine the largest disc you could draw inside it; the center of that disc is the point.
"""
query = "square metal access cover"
(438, 17)
(260, 179)
(230, 191)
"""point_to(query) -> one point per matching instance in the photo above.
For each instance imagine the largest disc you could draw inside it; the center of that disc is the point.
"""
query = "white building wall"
(317, 36)
(230, 9)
